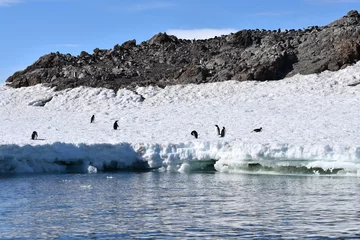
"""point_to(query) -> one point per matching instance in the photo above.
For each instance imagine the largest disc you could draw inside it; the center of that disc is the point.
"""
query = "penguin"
(141, 96)
(194, 133)
(92, 119)
(222, 134)
(34, 135)
(115, 125)
(257, 130)
(218, 129)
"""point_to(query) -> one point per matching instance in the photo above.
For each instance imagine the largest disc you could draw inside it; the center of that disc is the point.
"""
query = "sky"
(32, 28)
(309, 120)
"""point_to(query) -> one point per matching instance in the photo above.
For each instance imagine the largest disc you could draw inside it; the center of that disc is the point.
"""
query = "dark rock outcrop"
(165, 60)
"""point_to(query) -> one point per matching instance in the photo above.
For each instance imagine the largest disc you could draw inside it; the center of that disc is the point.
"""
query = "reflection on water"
(165, 205)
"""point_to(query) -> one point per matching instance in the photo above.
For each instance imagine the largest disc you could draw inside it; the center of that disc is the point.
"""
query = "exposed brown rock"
(166, 60)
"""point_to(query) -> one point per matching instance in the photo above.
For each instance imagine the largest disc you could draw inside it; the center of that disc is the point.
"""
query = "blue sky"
(32, 28)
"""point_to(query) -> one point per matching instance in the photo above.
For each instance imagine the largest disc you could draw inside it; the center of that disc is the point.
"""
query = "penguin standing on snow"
(92, 119)
(34, 135)
(115, 125)
(218, 129)
(222, 134)
(194, 133)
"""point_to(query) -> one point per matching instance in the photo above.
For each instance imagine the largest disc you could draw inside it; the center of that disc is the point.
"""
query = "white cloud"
(199, 33)
(8, 2)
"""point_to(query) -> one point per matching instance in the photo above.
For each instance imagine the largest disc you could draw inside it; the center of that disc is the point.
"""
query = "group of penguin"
(34, 135)
(222, 132)
(115, 125)
(194, 133)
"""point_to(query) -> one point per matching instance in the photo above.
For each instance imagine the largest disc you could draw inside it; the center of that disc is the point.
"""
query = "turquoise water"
(210, 205)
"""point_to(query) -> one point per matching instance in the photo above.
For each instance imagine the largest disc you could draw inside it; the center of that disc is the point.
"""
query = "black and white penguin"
(92, 119)
(34, 135)
(222, 134)
(218, 129)
(257, 130)
(194, 133)
(141, 96)
(115, 125)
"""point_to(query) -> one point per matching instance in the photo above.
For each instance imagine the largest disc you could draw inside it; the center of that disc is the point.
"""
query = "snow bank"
(310, 124)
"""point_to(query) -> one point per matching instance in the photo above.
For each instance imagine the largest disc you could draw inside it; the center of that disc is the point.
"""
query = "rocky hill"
(165, 60)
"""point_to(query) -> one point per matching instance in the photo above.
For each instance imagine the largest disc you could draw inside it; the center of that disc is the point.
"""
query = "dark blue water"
(173, 205)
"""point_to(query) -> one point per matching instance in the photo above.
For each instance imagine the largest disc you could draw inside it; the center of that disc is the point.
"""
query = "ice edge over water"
(183, 157)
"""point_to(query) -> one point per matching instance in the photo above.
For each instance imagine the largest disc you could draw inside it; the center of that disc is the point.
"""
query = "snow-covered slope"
(309, 122)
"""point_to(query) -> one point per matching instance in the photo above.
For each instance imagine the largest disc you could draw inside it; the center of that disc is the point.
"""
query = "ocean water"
(163, 205)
